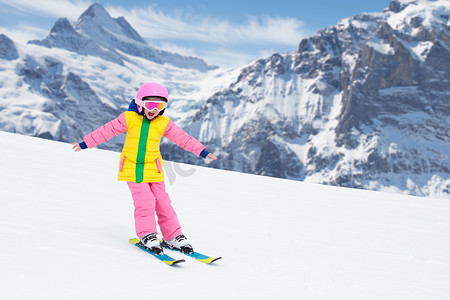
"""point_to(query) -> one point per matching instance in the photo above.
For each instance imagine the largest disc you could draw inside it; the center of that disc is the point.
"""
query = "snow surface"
(65, 224)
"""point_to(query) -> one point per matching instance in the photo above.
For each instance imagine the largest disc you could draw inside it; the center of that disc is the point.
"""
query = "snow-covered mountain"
(65, 222)
(97, 33)
(364, 103)
(83, 75)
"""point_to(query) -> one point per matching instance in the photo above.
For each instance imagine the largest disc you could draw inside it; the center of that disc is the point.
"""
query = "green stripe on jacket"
(142, 149)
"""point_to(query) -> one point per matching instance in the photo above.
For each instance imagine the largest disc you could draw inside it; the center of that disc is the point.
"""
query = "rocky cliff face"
(8, 49)
(362, 104)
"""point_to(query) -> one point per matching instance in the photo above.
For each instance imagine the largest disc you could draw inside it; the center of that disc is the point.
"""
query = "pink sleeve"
(106, 132)
(178, 136)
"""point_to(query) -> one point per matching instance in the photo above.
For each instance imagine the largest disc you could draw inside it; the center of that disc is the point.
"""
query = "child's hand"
(76, 146)
(211, 156)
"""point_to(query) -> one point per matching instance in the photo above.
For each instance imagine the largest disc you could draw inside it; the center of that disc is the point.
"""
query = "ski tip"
(215, 259)
(209, 260)
(174, 262)
(134, 241)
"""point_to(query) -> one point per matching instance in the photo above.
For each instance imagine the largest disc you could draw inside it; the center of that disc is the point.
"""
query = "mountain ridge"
(97, 33)
(349, 96)
(97, 15)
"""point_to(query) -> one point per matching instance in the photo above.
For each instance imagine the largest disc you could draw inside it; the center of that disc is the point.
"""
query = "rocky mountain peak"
(98, 24)
(63, 35)
(7, 48)
(397, 6)
(96, 33)
(96, 10)
(63, 26)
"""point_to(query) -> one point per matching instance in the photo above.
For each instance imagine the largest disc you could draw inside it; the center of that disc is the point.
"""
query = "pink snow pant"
(151, 198)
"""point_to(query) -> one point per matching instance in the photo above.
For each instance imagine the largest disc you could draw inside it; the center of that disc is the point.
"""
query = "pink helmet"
(151, 89)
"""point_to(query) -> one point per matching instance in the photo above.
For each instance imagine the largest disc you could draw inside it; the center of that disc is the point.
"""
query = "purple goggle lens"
(152, 105)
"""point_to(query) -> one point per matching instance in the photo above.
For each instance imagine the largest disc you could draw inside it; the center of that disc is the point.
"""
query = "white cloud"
(234, 57)
(50, 8)
(24, 33)
(218, 41)
(226, 57)
(155, 24)
(171, 47)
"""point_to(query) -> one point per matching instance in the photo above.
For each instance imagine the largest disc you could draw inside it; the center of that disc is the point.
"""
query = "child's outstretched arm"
(178, 136)
(102, 134)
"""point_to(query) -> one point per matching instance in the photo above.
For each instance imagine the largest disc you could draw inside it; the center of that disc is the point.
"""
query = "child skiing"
(141, 164)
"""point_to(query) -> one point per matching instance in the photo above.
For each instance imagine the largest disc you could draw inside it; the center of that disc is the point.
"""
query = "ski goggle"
(152, 104)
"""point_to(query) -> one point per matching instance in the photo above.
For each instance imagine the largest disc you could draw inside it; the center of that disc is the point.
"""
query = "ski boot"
(150, 241)
(179, 243)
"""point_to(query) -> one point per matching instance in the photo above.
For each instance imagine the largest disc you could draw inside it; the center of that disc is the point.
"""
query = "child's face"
(154, 113)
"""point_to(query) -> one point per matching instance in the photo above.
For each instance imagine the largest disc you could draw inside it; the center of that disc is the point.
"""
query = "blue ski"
(198, 256)
(164, 258)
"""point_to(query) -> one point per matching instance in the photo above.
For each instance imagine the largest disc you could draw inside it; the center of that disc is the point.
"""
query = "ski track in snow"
(65, 224)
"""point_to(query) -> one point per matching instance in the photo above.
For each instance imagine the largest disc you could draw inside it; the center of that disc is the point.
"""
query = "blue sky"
(225, 33)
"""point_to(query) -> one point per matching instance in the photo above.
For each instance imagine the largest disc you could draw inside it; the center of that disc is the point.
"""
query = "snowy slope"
(65, 223)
